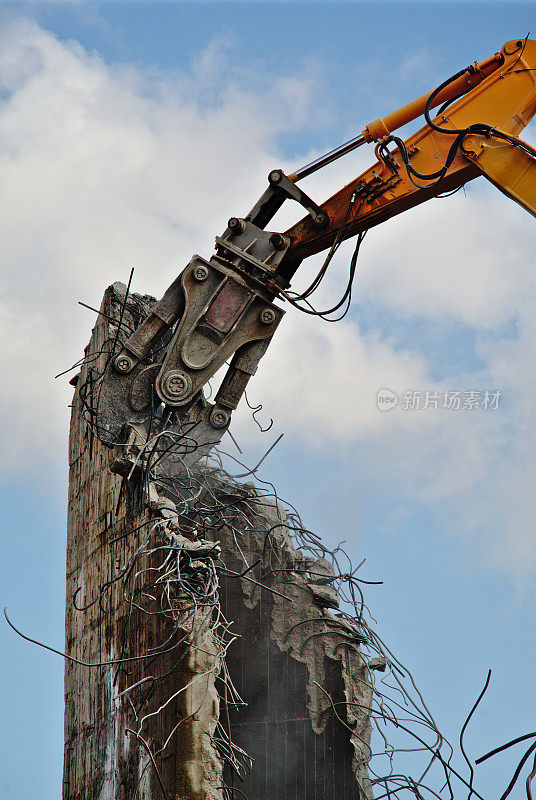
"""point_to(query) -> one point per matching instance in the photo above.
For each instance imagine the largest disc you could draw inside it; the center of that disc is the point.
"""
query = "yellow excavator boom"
(505, 99)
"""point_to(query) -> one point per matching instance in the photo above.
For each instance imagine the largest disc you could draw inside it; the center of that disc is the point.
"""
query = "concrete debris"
(378, 664)
(324, 596)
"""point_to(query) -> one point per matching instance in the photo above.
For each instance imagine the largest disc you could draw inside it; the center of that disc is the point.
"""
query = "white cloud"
(320, 382)
(103, 168)
(465, 257)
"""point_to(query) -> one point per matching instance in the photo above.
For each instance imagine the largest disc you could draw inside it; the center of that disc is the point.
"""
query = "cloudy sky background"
(129, 133)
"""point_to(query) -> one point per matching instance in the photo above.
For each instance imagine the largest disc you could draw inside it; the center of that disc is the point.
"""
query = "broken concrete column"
(212, 661)
(107, 757)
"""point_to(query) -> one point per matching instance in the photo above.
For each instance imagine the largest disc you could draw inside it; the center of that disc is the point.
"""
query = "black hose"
(471, 70)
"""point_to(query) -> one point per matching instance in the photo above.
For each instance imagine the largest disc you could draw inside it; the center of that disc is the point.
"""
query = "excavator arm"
(505, 99)
(222, 310)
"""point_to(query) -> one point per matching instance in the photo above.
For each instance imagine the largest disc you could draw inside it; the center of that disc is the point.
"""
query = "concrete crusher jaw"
(154, 385)
(214, 313)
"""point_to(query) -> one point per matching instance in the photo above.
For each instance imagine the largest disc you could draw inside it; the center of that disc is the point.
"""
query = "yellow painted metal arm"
(511, 168)
(505, 99)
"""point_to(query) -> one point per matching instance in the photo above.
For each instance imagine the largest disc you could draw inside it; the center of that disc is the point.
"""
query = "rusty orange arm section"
(505, 99)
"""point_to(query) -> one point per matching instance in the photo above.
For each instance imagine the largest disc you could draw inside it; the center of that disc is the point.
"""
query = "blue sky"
(129, 133)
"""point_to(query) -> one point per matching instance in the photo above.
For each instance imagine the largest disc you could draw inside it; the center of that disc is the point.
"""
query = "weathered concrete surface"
(298, 666)
(103, 760)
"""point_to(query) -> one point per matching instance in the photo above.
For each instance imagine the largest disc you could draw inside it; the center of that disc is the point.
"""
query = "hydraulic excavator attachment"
(222, 311)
